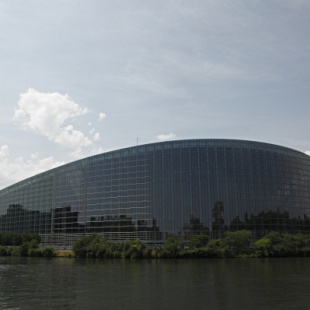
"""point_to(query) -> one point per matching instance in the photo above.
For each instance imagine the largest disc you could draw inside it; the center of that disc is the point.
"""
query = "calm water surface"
(35, 283)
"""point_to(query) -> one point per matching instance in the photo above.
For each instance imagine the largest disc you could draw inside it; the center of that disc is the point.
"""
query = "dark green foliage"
(29, 248)
(233, 244)
(216, 249)
(34, 253)
(156, 252)
(17, 239)
(30, 237)
(264, 247)
(97, 247)
(276, 244)
(14, 251)
(80, 246)
(237, 242)
(173, 247)
(198, 241)
(94, 246)
(41, 252)
(3, 251)
(48, 252)
(23, 249)
(134, 249)
(14, 244)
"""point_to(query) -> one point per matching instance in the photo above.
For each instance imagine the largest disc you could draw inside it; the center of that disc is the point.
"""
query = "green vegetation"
(17, 239)
(15, 244)
(97, 247)
(233, 244)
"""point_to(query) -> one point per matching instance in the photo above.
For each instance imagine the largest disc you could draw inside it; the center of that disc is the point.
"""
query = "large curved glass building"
(157, 190)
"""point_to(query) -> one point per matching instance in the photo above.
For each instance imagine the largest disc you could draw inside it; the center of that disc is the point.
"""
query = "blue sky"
(83, 77)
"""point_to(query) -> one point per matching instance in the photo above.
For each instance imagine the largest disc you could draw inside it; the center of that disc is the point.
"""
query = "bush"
(173, 248)
(17, 239)
(233, 244)
(15, 251)
(198, 241)
(93, 246)
(237, 242)
(34, 252)
(48, 252)
(3, 251)
(276, 244)
(134, 249)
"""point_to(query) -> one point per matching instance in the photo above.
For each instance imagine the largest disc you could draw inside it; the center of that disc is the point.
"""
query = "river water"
(63, 283)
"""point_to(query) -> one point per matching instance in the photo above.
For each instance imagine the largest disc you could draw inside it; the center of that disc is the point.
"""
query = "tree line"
(232, 244)
(23, 244)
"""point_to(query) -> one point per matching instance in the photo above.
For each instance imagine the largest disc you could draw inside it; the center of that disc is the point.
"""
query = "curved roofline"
(211, 141)
(138, 149)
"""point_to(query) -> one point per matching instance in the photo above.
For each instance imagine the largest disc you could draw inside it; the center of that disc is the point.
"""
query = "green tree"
(96, 246)
(30, 248)
(215, 249)
(237, 241)
(134, 249)
(277, 244)
(173, 247)
(48, 252)
(264, 247)
(3, 251)
(198, 241)
(80, 246)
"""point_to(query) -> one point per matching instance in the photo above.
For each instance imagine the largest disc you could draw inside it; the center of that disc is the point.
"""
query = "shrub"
(198, 241)
(48, 252)
(3, 251)
(134, 249)
(173, 247)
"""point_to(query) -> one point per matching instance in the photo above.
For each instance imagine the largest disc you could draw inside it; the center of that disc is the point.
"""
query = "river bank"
(232, 245)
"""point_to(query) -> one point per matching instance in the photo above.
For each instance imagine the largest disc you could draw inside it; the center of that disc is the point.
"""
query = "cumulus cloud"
(14, 170)
(34, 155)
(166, 136)
(308, 153)
(95, 135)
(48, 114)
(101, 116)
(72, 138)
(4, 152)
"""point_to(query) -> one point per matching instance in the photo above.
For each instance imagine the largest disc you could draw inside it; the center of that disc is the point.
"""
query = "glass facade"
(157, 190)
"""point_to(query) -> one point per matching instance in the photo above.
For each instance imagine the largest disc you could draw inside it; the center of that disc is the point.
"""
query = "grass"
(64, 253)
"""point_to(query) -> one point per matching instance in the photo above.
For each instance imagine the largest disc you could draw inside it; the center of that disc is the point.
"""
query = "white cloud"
(99, 150)
(34, 155)
(4, 152)
(307, 152)
(166, 136)
(72, 138)
(95, 134)
(101, 116)
(14, 170)
(55, 117)
(47, 114)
